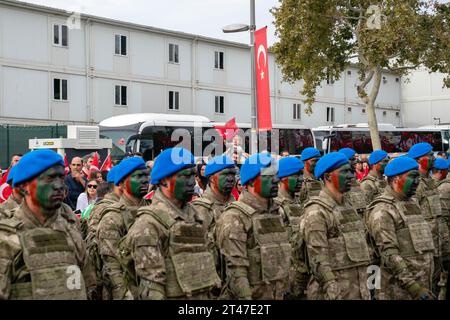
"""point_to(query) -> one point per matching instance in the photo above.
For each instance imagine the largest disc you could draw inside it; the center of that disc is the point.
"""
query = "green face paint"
(409, 183)
(295, 182)
(383, 165)
(312, 165)
(342, 178)
(183, 184)
(47, 190)
(137, 183)
(226, 181)
(266, 184)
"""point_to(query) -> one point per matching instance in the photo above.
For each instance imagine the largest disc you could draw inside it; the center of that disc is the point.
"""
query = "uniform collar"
(283, 195)
(29, 219)
(249, 199)
(210, 195)
(396, 195)
(160, 199)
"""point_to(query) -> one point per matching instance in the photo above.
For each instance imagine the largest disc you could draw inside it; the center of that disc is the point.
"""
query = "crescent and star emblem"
(262, 50)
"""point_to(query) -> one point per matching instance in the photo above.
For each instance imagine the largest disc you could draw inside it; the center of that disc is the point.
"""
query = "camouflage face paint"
(266, 184)
(47, 190)
(426, 162)
(310, 165)
(136, 184)
(294, 182)
(183, 183)
(408, 183)
(225, 180)
(382, 165)
(342, 178)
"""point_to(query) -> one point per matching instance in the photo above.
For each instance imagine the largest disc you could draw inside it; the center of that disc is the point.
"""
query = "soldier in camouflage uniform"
(402, 236)
(165, 251)
(440, 172)
(251, 236)
(133, 176)
(373, 184)
(428, 198)
(311, 186)
(42, 254)
(355, 195)
(92, 224)
(16, 197)
(221, 173)
(335, 237)
(290, 172)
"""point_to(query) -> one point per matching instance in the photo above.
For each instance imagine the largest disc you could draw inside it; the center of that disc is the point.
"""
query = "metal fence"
(14, 139)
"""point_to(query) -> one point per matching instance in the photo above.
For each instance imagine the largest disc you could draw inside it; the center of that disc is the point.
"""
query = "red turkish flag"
(262, 79)
(95, 161)
(107, 164)
(66, 165)
(229, 130)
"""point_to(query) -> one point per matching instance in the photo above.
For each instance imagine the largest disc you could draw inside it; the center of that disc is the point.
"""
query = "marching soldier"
(355, 194)
(311, 186)
(15, 199)
(290, 172)
(335, 236)
(42, 253)
(428, 197)
(252, 238)
(166, 250)
(94, 219)
(221, 174)
(374, 184)
(440, 172)
(402, 237)
(133, 176)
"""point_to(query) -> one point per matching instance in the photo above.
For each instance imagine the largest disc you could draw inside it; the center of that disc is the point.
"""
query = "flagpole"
(254, 118)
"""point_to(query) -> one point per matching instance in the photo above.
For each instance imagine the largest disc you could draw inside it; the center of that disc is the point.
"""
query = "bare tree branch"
(403, 68)
(367, 79)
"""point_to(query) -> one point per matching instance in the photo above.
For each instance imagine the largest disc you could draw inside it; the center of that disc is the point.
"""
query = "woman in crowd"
(89, 196)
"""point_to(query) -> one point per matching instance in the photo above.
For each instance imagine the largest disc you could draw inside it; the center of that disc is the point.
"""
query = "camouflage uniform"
(310, 188)
(428, 198)
(357, 198)
(37, 260)
(10, 204)
(91, 239)
(209, 208)
(372, 186)
(443, 187)
(337, 249)
(112, 227)
(254, 244)
(291, 210)
(166, 252)
(404, 242)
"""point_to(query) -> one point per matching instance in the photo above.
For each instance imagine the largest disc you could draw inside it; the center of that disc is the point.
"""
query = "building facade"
(61, 68)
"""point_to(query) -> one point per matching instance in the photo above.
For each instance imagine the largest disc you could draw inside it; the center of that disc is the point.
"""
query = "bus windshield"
(391, 141)
(119, 141)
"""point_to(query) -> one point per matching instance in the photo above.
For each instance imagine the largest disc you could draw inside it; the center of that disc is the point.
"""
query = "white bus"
(393, 139)
(151, 133)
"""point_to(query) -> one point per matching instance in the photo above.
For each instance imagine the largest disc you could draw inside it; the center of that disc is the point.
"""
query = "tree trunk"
(371, 115)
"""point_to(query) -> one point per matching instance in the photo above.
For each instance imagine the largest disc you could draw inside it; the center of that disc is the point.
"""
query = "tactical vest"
(51, 262)
(357, 198)
(190, 266)
(313, 188)
(349, 248)
(379, 184)
(415, 238)
(293, 213)
(270, 259)
(434, 215)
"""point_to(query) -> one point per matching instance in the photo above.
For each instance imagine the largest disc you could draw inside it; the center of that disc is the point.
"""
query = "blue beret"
(329, 163)
(253, 165)
(419, 149)
(289, 166)
(11, 173)
(309, 153)
(439, 164)
(400, 165)
(127, 167)
(111, 174)
(217, 164)
(349, 152)
(377, 156)
(34, 163)
(171, 161)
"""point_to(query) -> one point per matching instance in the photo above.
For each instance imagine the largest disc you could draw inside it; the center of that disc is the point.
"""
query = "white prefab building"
(56, 68)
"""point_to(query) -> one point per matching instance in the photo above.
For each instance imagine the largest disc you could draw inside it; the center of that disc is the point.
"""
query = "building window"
(384, 113)
(174, 100)
(296, 111)
(349, 72)
(218, 60)
(121, 95)
(329, 80)
(121, 45)
(384, 80)
(397, 114)
(219, 104)
(349, 109)
(363, 111)
(330, 114)
(173, 53)
(60, 35)
(397, 79)
(60, 89)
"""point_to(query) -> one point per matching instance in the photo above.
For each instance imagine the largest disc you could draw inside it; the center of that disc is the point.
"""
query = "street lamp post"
(239, 28)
